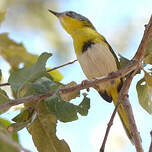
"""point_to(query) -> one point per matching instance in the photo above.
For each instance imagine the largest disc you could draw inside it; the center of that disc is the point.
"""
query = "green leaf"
(2, 15)
(84, 106)
(44, 85)
(43, 131)
(15, 53)
(5, 146)
(148, 54)
(65, 111)
(5, 123)
(123, 61)
(3, 99)
(19, 79)
(144, 92)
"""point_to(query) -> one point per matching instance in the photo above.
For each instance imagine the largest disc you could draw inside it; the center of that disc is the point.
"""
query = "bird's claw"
(83, 83)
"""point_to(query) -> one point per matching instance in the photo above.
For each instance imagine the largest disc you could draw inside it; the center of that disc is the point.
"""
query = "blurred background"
(121, 22)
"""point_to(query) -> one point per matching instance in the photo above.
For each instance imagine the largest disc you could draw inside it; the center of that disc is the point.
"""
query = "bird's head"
(73, 22)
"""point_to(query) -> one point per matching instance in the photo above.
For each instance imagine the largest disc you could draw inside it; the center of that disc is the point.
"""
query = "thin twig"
(65, 64)
(12, 143)
(144, 42)
(150, 148)
(71, 62)
(110, 123)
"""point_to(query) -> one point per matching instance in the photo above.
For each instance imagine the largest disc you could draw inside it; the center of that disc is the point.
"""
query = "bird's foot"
(83, 83)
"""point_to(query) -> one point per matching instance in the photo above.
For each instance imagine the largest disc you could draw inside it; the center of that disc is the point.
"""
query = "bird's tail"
(122, 114)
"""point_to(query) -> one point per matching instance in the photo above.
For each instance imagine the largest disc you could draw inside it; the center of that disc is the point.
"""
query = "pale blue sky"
(108, 16)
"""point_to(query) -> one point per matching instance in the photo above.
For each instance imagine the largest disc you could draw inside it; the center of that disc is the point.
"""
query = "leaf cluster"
(39, 117)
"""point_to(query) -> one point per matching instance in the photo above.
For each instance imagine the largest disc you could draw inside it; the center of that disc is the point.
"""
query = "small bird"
(95, 56)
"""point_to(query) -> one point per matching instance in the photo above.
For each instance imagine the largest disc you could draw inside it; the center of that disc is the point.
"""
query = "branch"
(144, 42)
(124, 98)
(4, 84)
(91, 83)
(12, 143)
(86, 85)
(36, 97)
(150, 148)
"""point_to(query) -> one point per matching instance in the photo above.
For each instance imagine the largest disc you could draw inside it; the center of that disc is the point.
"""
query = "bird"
(96, 58)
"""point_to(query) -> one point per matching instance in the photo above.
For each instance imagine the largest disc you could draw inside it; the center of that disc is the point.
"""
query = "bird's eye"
(70, 13)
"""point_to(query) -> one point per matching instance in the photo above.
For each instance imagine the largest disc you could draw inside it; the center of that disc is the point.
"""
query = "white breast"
(97, 61)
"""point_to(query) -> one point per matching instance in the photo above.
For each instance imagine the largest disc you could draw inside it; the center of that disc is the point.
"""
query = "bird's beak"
(55, 13)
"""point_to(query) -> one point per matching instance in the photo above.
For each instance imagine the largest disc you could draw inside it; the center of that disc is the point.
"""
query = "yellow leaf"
(56, 75)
